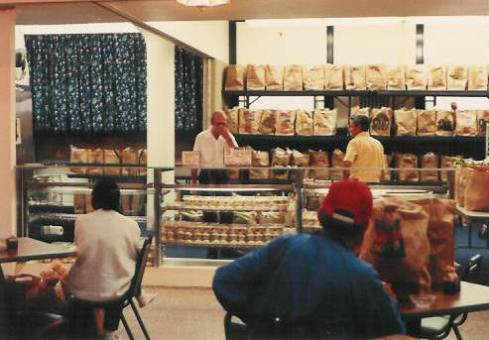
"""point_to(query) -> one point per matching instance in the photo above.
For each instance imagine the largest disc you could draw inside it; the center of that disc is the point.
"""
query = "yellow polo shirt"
(367, 157)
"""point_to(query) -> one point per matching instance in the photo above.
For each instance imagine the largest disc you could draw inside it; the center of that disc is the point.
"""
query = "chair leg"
(457, 332)
(140, 320)
(126, 326)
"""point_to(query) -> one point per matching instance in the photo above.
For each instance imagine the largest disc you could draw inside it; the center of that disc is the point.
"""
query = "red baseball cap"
(352, 196)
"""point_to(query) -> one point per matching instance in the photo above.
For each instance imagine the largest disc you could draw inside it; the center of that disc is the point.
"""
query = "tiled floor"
(179, 313)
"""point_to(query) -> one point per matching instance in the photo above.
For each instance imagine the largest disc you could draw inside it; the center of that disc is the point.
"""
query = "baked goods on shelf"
(220, 203)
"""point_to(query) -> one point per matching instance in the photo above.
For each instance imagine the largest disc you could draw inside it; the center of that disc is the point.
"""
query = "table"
(474, 216)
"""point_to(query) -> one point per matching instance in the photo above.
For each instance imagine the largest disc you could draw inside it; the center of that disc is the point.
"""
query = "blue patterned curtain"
(88, 84)
(188, 92)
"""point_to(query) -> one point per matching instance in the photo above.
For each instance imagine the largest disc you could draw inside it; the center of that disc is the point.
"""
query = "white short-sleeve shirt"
(211, 150)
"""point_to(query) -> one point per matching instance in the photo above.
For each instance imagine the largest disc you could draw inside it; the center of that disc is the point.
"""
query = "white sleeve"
(234, 141)
(197, 143)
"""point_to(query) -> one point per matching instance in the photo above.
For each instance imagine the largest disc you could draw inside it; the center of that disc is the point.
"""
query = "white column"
(7, 122)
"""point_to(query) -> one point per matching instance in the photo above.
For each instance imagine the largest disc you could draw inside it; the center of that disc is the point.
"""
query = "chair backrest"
(473, 267)
(140, 268)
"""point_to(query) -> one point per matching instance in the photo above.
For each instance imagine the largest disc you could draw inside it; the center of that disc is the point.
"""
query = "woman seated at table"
(107, 247)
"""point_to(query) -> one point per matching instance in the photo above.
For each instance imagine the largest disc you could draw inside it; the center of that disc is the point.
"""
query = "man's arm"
(230, 140)
(350, 155)
(193, 172)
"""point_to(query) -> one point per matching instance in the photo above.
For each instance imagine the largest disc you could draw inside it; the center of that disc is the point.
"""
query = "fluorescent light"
(284, 22)
(203, 3)
(456, 20)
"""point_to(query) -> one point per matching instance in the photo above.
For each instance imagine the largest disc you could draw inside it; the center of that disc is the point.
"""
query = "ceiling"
(68, 11)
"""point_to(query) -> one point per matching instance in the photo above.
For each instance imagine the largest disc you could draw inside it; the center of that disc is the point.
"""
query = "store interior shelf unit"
(354, 93)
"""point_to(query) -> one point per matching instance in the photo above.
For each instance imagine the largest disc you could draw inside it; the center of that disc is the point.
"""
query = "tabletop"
(471, 298)
(30, 249)
(473, 214)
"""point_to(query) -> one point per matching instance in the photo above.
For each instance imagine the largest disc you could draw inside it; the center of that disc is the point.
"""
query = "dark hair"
(361, 121)
(106, 194)
(353, 233)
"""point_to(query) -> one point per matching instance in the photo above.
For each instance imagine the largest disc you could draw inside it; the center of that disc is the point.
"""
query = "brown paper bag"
(259, 159)
(448, 162)
(429, 161)
(79, 203)
(111, 157)
(280, 158)
(437, 78)
(249, 121)
(406, 121)
(396, 243)
(255, 78)
(235, 78)
(232, 115)
(388, 165)
(267, 122)
(381, 122)
(466, 123)
(319, 159)
(88, 203)
(476, 192)
(304, 122)
(355, 77)
(129, 157)
(363, 111)
(313, 77)
(78, 155)
(325, 122)
(274, 78)
(416, 78)
(427, 123)
(95, 156)
(293, 78)
(376, 77)
(143, 161)
(441, 214)
(285, 121)
(334, 77)
(126, 204)
(461, 175)
(407, 163)
(300, 160)
(457, 77)
(337, 162)
(482, 121)
(478, 78)
(396, 79)
(445, 121)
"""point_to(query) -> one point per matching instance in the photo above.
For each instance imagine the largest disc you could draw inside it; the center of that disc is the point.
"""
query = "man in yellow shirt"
(364, 154)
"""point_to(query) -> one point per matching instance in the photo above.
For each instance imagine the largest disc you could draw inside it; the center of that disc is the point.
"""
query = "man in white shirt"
(107, 247)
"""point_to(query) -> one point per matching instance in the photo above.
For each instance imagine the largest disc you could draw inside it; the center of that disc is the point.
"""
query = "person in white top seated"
(107, 247)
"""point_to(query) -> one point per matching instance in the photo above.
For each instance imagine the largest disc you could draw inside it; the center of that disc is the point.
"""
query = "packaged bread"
(111, 157)
(334, 80)
(478, 78)
(457, 77)
(445, 122)
(78, 155)
(95, 156)
(245, 217)
(235, 78)
(407, 164)
(325, 122)
(267, 122)
(88, 203)
(381, 122)
(259, 159)
(313, 77)
(319, 159)
(255, 77)
(448, 162)
(143, 161)
(280, 158)
(249, 121)
(388, 165)
(406, 121)
(126, 205)
(271, 217)
(300, 159)
(466, 123)
(376, 77)
(429, 163)
(274, 78)
(355, 77)
(427, 122)
(437, 78)
(362, 111)
(304, 122)
(396, 78)
(285, 122)
(416, 78)
(482, 121)
(232, 115)
(293, 78)
(129, 156)
(337, 158)
(79, 203)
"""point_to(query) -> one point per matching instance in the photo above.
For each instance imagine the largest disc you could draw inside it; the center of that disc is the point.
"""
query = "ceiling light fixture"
(203, 3)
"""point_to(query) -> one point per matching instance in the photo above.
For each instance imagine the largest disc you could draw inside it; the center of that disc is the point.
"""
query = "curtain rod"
(141, 24)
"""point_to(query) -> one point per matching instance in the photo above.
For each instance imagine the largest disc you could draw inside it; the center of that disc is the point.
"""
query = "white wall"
(210, 37)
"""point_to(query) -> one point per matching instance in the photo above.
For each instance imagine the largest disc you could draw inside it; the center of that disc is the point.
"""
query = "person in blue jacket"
(313, 285)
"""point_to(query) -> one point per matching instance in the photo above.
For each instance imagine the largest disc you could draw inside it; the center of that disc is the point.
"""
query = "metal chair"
(440, 327)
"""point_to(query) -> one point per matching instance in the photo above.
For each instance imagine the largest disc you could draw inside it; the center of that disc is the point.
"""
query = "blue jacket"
(310, 277)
